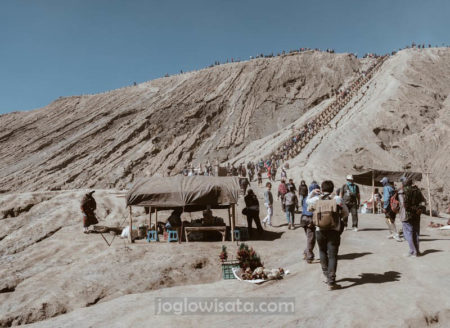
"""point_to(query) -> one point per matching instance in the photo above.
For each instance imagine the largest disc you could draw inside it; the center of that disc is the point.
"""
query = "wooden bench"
(221, 229)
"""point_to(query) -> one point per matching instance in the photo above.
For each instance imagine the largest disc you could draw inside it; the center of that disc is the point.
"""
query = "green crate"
(227, 266)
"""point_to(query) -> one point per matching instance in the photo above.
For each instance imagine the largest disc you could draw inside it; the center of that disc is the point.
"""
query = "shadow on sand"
(372, 278)
(352, 256)
(433, 239)
(429, 251)
(372, 229)
(266, 235)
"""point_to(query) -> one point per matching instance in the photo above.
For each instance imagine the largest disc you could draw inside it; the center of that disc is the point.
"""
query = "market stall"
(191, 194)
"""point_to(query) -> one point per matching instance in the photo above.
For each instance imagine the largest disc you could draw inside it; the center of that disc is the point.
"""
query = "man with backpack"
(388, 193)
(327, 216)
(350, 194)
(410, 198)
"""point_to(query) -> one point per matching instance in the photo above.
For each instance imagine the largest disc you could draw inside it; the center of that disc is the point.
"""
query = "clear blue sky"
(52, 48)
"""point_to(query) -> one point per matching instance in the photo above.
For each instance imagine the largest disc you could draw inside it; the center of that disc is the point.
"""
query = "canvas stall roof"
(394, 176)
(191, 193)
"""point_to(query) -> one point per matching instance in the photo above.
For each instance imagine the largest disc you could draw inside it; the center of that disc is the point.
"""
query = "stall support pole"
(373, 193)
(233, 221)
(150, 219)
(130, 234)
(429, 193)
(156, 220)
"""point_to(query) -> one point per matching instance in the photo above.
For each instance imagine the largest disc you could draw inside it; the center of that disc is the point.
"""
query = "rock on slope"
(102, 140)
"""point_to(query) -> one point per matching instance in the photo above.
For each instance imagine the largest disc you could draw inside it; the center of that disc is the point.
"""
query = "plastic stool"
(244, 233)
(237, 234)
(152, 235)
(173, 235)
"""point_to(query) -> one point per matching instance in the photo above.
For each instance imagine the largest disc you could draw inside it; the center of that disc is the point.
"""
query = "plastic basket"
(227, 272)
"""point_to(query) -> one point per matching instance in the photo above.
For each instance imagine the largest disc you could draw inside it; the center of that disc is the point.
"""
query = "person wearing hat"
(88, 207)
(388, 192)
(350, 194)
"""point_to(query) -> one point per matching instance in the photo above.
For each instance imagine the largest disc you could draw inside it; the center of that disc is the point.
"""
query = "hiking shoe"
(397, 238)
(289, 226)
(390, 237)
(355, 229)
(334, 286)
(264, 224)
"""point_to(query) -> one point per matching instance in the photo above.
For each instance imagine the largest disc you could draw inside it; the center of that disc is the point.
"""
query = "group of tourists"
(325, 214)
(206, 169)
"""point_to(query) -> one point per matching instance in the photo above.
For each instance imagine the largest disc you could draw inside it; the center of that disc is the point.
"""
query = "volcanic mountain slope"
(400, 120)
(102, 140)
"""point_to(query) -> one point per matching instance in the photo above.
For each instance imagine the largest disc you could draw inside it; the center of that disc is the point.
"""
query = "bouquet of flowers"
(248, 258)
(223, 255)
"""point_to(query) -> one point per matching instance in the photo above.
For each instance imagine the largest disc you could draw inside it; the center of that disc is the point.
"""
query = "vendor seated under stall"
(174, 220)
(210, 220)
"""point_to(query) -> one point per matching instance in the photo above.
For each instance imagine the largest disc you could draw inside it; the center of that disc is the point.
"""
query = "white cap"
(350, 177)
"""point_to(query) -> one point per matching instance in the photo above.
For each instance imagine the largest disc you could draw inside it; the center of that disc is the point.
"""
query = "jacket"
(388, 191)
(268, 198)
(290, 199)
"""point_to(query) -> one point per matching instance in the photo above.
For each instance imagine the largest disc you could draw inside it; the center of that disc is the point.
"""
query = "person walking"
(282, 191)
(351, 196)
(302, 191)
(252, 211)
(306, 221)
(268, 202)
(388, 192)
(410, 198)
(291, 184)
(290, 204)
(328, 238)
(259, 176)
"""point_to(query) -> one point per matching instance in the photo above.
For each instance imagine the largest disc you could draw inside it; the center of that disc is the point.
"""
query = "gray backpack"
(326, 214)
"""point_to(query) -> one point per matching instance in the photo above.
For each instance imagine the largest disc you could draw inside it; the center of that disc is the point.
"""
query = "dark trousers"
(310, 233)
(411, 232)
(328, 242)
(353, 210)
(253, 216)
(310, 242)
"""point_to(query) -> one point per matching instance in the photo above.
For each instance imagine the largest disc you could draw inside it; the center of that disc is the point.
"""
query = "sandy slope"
(158, 126)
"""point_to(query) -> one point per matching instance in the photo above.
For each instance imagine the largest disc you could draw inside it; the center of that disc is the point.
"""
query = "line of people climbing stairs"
(298, 141)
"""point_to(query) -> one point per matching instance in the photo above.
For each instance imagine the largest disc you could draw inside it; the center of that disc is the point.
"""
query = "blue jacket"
(304, 206)
(388, 191)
